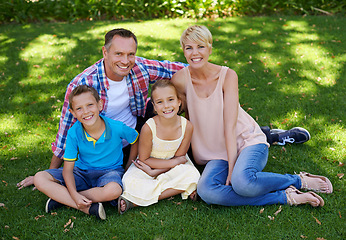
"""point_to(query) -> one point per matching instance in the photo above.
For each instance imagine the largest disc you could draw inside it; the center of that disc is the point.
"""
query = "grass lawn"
(291, 73)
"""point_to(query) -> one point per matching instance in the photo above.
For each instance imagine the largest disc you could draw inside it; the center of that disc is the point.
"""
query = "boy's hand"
(81, 201)
(26, 182)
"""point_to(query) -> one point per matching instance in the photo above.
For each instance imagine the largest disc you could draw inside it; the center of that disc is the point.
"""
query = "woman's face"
(196, 54)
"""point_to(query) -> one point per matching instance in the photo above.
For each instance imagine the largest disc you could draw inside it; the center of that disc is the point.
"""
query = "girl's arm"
(67, 172)
(231, 106)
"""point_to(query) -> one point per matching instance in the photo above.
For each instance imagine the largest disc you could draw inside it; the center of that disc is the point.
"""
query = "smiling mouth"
(167, 112)
(196, 59)
(126, 67)
(88, 117)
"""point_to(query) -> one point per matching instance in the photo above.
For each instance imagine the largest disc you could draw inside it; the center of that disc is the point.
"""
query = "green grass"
(291, 73)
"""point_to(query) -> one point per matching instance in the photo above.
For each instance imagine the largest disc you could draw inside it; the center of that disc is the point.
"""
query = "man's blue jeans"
(250, 186)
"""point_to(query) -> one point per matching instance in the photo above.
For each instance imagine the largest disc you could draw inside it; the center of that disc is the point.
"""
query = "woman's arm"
(231, 106)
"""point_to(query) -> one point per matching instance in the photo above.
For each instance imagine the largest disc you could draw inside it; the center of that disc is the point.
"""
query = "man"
(122, 80)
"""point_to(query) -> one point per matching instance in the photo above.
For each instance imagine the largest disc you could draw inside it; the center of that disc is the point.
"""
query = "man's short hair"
(82, 89)
(118, 32)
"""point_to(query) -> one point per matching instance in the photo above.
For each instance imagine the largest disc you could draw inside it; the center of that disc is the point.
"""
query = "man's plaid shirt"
(142, 74)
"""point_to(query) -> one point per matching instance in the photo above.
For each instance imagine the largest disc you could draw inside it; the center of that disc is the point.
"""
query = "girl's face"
(166, 101)
(196, 54)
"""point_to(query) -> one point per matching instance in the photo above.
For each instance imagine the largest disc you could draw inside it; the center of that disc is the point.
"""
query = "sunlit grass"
(291, 73)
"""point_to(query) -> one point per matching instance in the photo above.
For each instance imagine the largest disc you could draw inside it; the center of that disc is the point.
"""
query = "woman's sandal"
(291, 191)
(306, 187)
(128, 205)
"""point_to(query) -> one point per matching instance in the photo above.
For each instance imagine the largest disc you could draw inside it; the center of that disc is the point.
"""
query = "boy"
(93, 158)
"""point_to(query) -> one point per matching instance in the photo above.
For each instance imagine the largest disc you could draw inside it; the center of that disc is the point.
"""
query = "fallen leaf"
(317, 221)
(53, 213)
(271, 218)
(68, 223)
(284, 149)
(339, 214)
(178, 203)
(341, 164)
(194, 208)
(340, 175)
(39, 216)
(71, 226)
(143, 213)
(4, 182)
(302, 236)
(253, 89)
(320, 239)
(333, 149)
(7, 227)
(278, 211)
(36, 66)
(261, 211)
(14, 158)
(2, 205)
(66, 230)
(15, 237)
(269, 83)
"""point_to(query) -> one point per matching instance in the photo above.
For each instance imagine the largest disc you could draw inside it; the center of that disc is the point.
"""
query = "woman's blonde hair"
(198, 34)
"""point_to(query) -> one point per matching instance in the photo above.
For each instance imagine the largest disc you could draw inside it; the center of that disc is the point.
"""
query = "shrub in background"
(21, 11)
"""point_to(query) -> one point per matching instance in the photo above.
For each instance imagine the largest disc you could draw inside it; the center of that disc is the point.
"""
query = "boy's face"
(86, 109)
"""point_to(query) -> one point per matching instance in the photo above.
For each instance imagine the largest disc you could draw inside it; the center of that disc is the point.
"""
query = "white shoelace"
(286, 140)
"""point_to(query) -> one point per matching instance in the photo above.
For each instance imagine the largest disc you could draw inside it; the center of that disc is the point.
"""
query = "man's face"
(120, 57)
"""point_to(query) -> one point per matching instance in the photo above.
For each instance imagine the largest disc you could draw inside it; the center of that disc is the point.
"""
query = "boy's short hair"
(198, 34)
(82, 89)
(121, 32)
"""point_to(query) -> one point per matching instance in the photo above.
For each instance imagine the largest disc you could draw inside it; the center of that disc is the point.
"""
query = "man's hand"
(28, 181)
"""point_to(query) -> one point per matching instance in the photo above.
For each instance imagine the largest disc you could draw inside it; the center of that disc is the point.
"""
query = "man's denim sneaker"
(294, 135)
(97, 210)
(52, 205)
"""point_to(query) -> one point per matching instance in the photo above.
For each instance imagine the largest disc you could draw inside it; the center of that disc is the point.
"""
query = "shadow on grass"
(290, 74)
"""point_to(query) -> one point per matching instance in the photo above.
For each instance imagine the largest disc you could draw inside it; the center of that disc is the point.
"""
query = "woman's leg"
(212, 189)
(248, 179)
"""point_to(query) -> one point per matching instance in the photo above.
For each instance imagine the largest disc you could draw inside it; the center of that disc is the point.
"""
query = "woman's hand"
(228, 180)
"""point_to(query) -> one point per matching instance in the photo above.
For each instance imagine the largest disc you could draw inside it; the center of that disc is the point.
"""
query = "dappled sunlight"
(47, 46)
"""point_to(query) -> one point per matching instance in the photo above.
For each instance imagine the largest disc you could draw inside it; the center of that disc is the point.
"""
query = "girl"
(163, 168)
(228, 140)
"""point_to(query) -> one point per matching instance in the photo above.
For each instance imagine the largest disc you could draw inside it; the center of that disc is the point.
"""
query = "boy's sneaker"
(294, 135)
(97, 210)
(52, 205)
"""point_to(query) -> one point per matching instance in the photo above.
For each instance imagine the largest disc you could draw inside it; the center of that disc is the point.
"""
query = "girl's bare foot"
(193, 196)
(124, 205)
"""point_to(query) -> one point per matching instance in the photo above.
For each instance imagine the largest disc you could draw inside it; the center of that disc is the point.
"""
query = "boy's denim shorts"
(86, 179)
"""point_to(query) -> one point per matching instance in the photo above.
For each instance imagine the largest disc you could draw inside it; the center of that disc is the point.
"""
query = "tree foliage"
(22, 11)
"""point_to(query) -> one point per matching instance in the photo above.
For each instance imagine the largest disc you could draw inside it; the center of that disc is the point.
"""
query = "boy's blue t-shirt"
(105, 153)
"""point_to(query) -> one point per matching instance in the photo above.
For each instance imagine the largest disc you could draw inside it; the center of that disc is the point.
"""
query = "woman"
(228, 141)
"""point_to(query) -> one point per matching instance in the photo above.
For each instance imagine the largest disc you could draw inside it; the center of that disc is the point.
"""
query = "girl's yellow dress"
(144, 190)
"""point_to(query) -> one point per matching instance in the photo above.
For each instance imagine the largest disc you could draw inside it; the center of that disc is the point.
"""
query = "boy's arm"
(133, 154)
(67, 172)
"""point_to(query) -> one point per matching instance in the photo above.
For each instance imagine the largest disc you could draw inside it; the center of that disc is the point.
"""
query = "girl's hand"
(180, 160)
(144, 167)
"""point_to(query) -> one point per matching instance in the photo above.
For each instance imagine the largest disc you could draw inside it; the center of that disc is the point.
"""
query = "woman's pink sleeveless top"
(206, 115)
